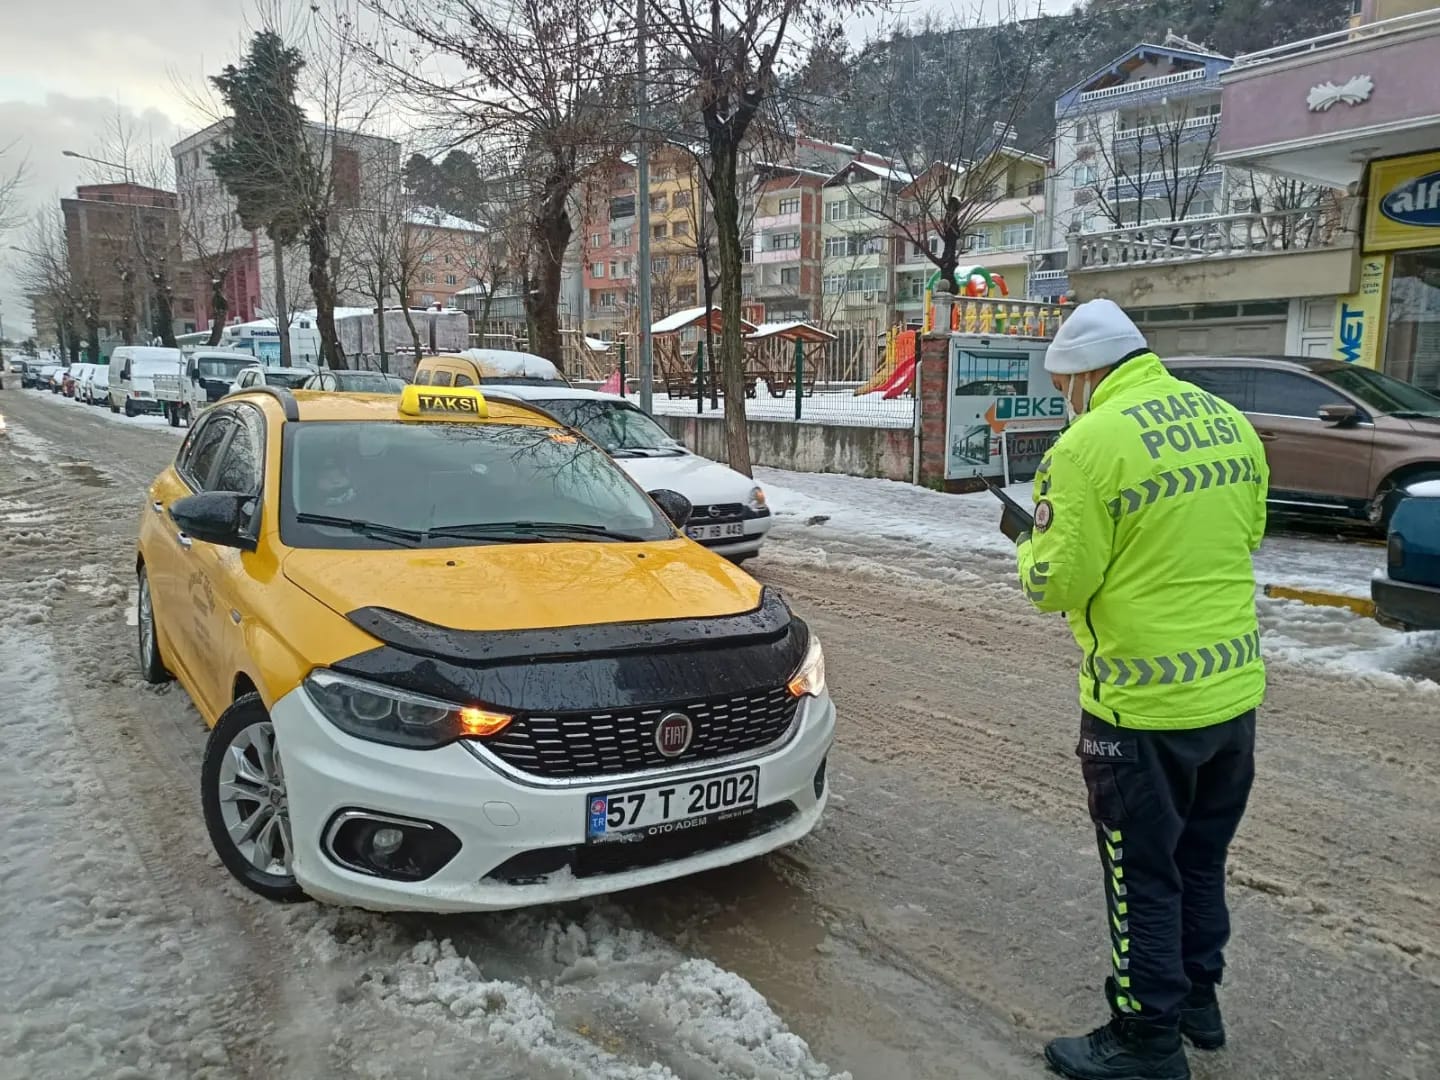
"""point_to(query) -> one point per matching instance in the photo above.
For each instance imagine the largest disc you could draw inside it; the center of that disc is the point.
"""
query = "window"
(614, 268)
(240, 468)
(428, 257)
(607, 300)
(685, 294)
(595, 239)
(1086, 174)
(835, 283)
(660, 265)
(451, 279)
(790, 275)
(682, 199)
(422, 378)
(979, 241)
(440, 378)
(1254, 390)
(597, 269)
(747, 253)
(1018, 234)
(836, 246)
(785, 242)
(206, 451)
(447, 258)
(464, 380)
(659, 232)
(790, 206)
(835, 211)
(682, 228)
(427, 278)
(659, 203)
(621, 239)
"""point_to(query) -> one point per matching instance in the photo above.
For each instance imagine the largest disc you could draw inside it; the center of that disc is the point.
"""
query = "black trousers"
(1166, 805)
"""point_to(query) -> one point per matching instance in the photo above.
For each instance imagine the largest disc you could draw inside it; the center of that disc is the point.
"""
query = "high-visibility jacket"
(1148, 509)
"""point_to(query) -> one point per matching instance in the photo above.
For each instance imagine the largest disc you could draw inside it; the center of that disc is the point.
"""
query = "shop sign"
(1404, 203)
(1359, 319)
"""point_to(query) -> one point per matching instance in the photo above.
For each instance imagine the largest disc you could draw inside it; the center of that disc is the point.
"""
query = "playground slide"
(901, 381)
(880, 379)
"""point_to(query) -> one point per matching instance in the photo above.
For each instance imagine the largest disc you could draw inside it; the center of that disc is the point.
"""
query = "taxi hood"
(521, 587)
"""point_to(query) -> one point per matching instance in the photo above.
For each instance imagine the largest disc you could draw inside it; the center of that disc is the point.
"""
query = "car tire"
(114, 408)
(242, 791)
(129, 409)
(152, 664)
(1382, 507)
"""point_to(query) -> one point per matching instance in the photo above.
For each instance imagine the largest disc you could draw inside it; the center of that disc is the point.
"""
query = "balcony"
(1227, 258)
(776, 255)
(1340, 100)
(777, 221)
(1144, 85)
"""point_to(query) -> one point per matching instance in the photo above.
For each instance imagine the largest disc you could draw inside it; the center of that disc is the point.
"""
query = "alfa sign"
(1403, 208)
(1358, 318)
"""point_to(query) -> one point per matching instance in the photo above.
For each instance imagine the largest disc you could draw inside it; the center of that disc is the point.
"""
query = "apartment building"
(1005, 190)
(454, 255)
(607, 248)
(784, 249)
(363, 169)
(858, 206)
(112, 232)
(680, 228)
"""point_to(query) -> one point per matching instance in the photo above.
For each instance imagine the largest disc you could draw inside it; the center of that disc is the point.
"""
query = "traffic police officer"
(1148, 508)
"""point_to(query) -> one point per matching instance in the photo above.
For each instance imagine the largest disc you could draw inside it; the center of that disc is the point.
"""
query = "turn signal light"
(482, 722)
(810, 679)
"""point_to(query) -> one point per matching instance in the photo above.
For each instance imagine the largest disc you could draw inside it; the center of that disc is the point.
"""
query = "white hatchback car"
(730, 516)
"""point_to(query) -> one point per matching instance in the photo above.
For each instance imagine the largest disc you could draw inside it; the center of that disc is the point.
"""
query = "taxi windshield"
(617, 426)
(373, 484)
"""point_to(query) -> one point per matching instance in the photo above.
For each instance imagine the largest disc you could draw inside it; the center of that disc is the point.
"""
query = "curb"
(1356, 604)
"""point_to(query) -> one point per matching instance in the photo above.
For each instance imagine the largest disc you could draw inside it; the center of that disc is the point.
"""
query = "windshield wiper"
(373, 529)
(535, 530)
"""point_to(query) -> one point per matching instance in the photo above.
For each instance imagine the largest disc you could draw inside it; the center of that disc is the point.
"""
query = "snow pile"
(721, 1017)
(505, 363)
(1424, 489)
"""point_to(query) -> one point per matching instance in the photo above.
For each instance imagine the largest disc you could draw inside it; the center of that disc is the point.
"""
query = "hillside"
(897, 92)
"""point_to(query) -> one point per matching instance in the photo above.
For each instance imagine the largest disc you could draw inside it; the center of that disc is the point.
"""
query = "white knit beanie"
(1096, 335)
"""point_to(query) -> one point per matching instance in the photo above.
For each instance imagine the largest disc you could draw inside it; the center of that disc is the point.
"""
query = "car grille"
(717, 513)
(592, 744)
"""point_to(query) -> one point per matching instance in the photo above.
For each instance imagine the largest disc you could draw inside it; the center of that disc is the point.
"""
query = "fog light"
(385, 842)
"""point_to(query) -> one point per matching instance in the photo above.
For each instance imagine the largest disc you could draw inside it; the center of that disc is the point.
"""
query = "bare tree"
(961, 155)
(1306, 214)
(544, 88)
(724, 67)
(418, 240)
(1157, 170)
(12, 182)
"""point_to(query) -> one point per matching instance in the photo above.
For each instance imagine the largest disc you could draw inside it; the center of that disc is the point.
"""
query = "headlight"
(757, 499)
(396, 717)
(810, 679)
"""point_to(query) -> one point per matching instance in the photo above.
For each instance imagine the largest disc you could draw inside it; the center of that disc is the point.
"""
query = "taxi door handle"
(183, 540)
(1267, 436)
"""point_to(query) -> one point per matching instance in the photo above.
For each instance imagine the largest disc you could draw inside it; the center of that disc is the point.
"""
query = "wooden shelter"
(771, 354)
(673, 368)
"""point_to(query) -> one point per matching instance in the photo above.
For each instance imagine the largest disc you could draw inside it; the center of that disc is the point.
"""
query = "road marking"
(1359, 605)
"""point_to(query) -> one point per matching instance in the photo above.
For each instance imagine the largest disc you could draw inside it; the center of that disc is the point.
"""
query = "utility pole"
(642, 212)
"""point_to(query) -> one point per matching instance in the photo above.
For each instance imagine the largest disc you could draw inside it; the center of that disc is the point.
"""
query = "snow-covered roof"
(692, 316)
(892, 172)
(498, 363)
(596, 345)
(797, 328)
(435, 218)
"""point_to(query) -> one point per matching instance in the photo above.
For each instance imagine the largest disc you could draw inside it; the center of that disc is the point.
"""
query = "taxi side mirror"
(675, 506)
(216, 517)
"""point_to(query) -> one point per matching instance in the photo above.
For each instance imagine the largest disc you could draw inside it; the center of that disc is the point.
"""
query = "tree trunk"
(414, 334)
(219, 307)
(127, 306)
(550, 236)
(163, 322)
(723, 183)
(380, 335)
(92, 333)
(282, 304)
(323, 289)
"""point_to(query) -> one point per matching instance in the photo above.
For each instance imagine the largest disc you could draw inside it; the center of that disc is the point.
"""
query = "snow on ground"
(145, 420)
(886, 525)
(822, 407)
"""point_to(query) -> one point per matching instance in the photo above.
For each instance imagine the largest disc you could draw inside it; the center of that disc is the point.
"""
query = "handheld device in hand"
(1014, 519)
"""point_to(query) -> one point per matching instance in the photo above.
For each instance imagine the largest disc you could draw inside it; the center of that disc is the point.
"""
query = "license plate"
(635, 814)
(715, 532)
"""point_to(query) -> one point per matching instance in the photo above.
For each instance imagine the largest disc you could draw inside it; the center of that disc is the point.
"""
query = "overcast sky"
(68, 67)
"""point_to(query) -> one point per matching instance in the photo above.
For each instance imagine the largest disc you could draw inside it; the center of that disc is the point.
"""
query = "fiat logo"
(673, 734)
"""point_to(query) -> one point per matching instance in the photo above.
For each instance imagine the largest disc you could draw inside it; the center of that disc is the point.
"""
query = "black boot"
(1200, 1019)
(1127, 1048)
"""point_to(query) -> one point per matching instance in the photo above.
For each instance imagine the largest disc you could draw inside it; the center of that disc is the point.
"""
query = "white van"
(132, 369)
(96, 385)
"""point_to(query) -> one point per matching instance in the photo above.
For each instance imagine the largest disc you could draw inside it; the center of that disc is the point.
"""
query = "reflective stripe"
(1182, 481)
(1181, 667)
(1035, 582)
(1120, 933)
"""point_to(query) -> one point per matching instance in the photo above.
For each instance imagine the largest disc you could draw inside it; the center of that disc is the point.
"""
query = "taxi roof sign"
(462, 402)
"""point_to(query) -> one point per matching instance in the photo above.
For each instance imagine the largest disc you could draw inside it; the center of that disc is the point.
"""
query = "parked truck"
(206, 378)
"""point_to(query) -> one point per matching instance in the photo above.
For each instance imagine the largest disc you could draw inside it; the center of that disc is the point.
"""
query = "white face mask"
(1071, 413)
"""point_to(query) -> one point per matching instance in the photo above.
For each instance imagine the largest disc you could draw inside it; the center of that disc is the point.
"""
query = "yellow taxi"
(453, 658)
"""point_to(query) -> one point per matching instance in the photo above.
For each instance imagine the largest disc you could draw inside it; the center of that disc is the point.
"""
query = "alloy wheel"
(253, 802)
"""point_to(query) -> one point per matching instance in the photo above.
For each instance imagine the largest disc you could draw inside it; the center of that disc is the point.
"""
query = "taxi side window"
(241, 466)
(201, 462)
(422, 378)
(442, 378)
(464, 380)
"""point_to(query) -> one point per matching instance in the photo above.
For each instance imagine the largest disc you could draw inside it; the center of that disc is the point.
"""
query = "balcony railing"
(1143, 85)
(1166, 174)
(1039, 277)
(1226, 236)
(1194, 123)
(1363, 32)
(776, 221)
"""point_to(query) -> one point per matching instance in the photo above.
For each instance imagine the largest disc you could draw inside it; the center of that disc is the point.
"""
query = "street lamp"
(124, 169)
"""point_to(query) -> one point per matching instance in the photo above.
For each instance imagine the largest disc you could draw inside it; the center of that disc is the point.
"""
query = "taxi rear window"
(381, 484)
